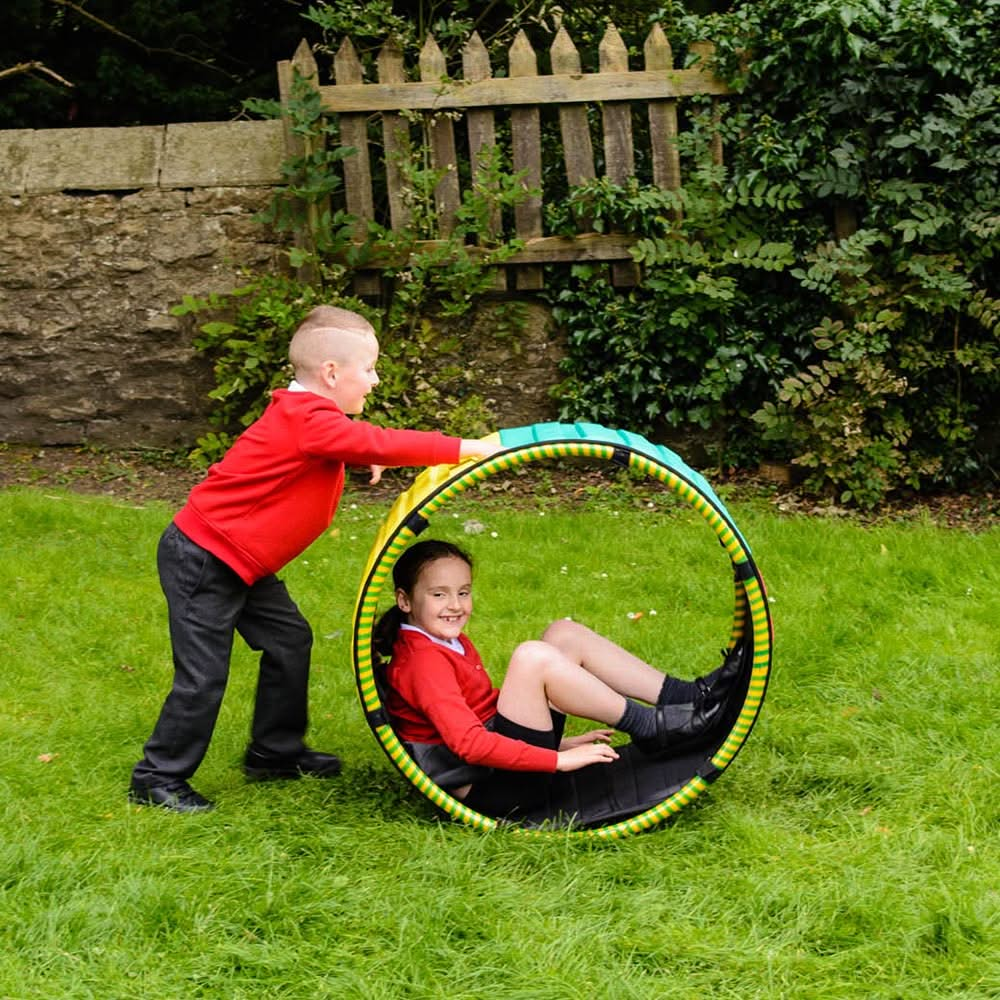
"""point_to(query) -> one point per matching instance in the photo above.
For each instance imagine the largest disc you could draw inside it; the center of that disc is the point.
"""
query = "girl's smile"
(441, 601)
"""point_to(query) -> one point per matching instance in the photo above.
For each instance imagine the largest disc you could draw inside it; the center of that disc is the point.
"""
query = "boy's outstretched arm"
(478, 448)
(470, 448)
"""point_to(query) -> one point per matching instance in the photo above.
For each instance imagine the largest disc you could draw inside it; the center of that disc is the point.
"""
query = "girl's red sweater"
(437, 695)
(277, 488)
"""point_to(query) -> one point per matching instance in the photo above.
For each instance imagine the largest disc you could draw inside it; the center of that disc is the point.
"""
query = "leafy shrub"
(691, 345)
(829, 297)
(869, 357)
(887, 112)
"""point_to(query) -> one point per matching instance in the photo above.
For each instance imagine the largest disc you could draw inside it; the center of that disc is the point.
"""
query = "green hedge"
(859, 337)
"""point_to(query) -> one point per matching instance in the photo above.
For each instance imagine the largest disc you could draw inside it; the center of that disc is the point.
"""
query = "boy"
(274, 492)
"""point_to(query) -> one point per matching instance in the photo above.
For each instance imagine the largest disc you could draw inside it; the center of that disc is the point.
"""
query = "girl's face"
(441, 600)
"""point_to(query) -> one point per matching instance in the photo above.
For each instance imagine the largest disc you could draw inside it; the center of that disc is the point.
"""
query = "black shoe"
(718, 683)
(680, 727)
(714, 686)
(721, 680)
(178, 797)
(267, 767)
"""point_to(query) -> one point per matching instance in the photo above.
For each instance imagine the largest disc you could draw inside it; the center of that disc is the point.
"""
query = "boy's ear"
(402, 601)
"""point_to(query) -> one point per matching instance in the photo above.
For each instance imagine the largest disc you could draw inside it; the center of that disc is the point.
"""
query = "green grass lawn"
(851, 850)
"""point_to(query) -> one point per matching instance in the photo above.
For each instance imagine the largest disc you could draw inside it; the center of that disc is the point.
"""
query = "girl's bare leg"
(616, 667)
(540, 675)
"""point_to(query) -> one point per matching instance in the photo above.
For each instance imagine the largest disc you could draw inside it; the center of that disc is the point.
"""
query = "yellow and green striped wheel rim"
(538, 442)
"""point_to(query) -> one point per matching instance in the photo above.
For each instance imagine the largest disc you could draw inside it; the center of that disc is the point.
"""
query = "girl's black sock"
(676, 692)
(639, 721)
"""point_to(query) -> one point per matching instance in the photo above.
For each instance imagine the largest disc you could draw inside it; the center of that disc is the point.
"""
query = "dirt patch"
(136, 477)
(140, 477)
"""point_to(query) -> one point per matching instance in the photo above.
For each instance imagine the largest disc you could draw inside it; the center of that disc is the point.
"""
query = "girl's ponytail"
(384, 636)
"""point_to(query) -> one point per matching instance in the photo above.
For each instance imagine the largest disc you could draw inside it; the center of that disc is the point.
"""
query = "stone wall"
(102, 231)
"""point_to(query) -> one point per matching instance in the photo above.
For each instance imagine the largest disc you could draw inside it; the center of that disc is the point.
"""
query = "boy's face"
(351, 379)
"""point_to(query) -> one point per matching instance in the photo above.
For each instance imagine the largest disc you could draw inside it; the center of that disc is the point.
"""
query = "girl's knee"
(529, 657)
(564, 634)
(525, 681)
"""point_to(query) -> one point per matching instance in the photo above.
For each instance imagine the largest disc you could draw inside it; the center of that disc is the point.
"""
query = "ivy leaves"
(889, 109)
(685, 348)
(868, 354)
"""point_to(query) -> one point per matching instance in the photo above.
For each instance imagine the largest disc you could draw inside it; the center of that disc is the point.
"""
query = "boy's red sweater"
(277, 488)
(438, 695)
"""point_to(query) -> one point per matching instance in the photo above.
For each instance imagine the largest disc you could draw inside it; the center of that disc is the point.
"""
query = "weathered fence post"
(357, 166)
(441, 140)
(480, 123)
(482, 141)
(395, 137)
(574, 121)
(526, 154)
(619, 156)
(662, 116)
(303, 65)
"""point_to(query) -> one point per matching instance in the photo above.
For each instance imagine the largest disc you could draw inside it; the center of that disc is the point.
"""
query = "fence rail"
(474, 110)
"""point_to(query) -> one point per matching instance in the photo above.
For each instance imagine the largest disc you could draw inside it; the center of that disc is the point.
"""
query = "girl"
(498, 749)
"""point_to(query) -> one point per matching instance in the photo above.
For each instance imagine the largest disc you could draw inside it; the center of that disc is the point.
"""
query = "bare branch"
(149, 49)
(34, 67)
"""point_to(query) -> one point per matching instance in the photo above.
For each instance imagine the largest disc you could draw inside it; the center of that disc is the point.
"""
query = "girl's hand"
(594, 736)
(583, 756)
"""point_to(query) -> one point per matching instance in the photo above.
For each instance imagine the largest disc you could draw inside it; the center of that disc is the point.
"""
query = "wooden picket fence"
(436, 100)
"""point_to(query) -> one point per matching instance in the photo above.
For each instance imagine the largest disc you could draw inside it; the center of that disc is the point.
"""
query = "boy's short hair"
(314, 338)
(334, 316)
